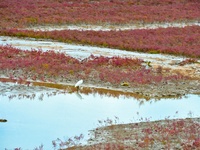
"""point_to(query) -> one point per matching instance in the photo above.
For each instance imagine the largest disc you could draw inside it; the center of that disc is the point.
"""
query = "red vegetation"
(164, 134)
(188, 61)
(57, 67)
(15, 13)
(177, 41)
(196, 142)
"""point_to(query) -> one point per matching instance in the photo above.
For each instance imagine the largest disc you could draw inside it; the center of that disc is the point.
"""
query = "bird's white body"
(78, 83)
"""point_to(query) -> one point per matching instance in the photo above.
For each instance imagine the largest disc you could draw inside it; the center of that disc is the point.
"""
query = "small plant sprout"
(78, 84)
(148, 65)
(124, 84)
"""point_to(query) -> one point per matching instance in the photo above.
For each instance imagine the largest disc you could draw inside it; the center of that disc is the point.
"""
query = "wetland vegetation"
(135, 76)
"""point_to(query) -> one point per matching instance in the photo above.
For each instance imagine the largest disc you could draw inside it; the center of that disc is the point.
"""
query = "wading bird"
(78, 84)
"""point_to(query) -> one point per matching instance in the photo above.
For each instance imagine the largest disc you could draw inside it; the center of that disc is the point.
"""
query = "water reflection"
(79, 95)
(56, 114)
(67, 88)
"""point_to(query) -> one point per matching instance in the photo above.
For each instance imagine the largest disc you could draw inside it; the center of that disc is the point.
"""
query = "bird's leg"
(77, 88)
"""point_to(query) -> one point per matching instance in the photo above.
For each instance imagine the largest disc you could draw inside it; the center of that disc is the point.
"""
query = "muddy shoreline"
(146, 135)
(150, 91)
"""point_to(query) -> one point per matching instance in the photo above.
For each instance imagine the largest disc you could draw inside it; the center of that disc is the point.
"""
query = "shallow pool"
(52, 114)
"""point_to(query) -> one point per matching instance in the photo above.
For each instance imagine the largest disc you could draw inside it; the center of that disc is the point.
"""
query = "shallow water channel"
(39, 115)
(83, 51)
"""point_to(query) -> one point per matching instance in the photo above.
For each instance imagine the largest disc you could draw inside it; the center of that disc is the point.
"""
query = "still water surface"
(32, 122)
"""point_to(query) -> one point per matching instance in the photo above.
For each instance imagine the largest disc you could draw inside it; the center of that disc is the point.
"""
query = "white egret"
(78, 84)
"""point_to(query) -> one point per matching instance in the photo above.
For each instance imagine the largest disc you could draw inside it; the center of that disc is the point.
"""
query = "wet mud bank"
(164, 134)
(157, 91)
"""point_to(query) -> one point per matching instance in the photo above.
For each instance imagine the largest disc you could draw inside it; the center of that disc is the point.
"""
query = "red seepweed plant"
(58, 67)
(14, 13)
(162, 134)
(176, 41)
